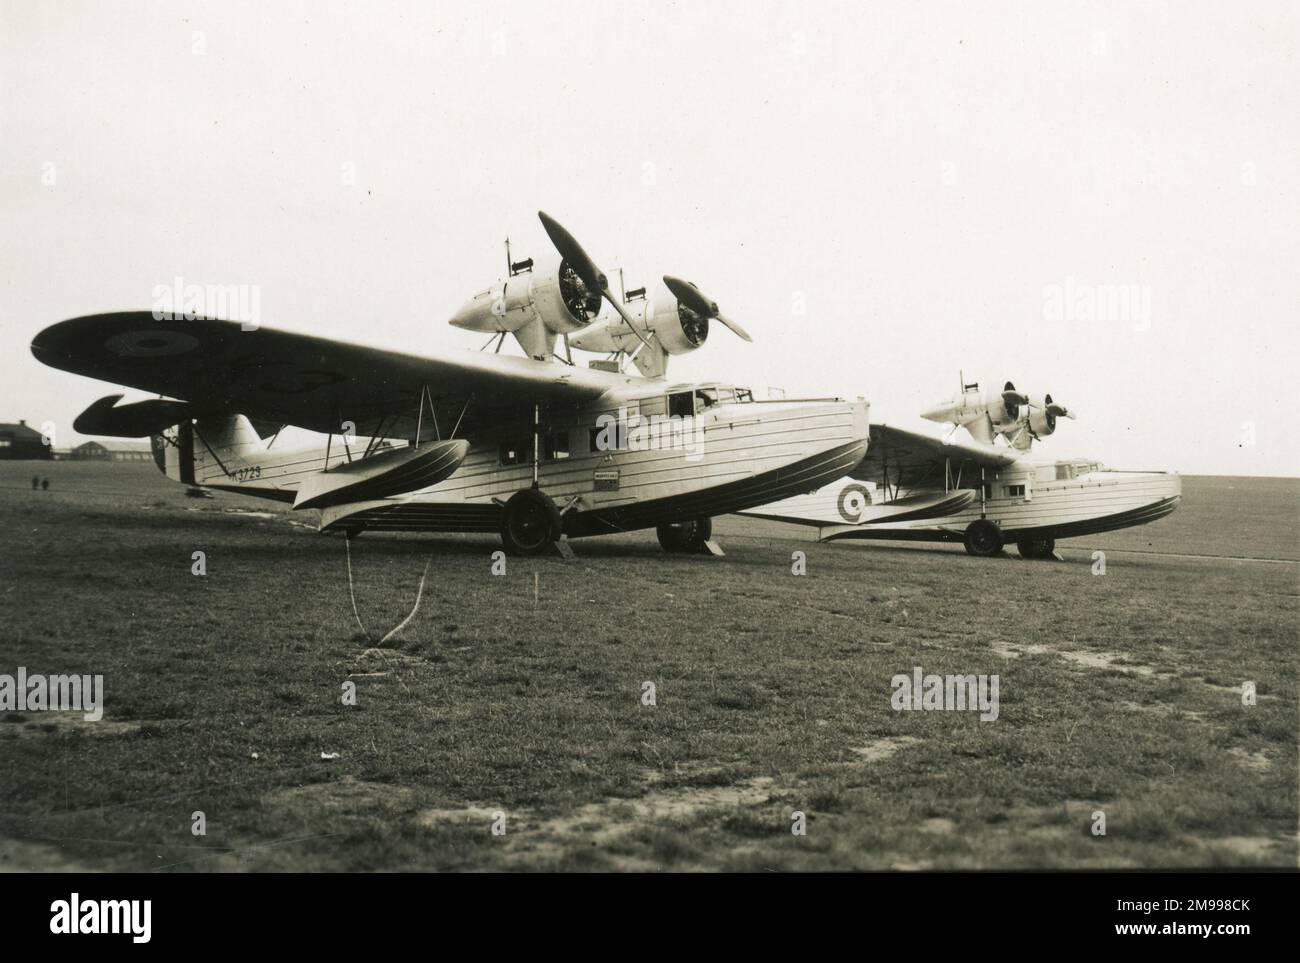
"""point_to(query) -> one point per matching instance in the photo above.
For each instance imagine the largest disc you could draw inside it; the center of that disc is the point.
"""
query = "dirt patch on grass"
(1091, 659)
(41, 725)
(1259, 849)
(1009, 650)
(1254, 761)
(605, 823)
(469, 815)
(1163, 710)
(344, 796)
(1087, 658)
(24, 856)
(881, 749)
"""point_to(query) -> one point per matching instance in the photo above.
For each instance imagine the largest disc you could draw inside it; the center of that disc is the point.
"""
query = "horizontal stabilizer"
(394, 472)
(911, 508)
(137, 420)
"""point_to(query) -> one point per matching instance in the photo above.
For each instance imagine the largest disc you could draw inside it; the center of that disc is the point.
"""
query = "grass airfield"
(520, 695)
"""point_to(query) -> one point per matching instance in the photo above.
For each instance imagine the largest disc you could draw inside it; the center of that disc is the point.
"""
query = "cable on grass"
(419, 593)
(347, 543)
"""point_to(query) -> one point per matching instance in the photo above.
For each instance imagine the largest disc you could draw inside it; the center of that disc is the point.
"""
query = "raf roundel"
(853, 501)
(151, 344)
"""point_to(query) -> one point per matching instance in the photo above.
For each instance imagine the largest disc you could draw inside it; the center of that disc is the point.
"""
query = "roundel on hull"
(853, 501)
(155, 343)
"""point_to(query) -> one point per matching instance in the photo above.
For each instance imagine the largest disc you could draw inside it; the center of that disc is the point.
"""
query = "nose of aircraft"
(940, 413)
(1158, 491)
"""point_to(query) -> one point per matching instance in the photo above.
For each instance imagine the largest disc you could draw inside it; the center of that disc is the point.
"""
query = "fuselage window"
(555, 446)
(1015, 491)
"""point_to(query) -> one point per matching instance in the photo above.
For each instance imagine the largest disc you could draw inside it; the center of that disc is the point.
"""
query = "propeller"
(1059, 411)
(695, 299)
(1054, 411)
(584, 267)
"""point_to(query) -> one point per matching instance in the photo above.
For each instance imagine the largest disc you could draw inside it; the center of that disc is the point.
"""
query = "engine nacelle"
(676, 328)
(1007, 409)
(1042, 416)
(553, 295)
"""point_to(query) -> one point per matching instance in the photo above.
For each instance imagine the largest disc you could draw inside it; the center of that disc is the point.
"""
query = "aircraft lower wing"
(297, 379)
(909, 509)
(903, 460)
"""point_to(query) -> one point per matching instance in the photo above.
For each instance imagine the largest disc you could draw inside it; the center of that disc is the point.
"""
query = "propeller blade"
(691, 296)
(1012, 397)
(585, 267)
(572, 252)
(735, 328)
(1060, 411)
(695, 299)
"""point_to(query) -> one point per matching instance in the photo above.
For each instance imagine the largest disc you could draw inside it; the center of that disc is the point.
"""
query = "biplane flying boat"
(534, 448)
(914, 486)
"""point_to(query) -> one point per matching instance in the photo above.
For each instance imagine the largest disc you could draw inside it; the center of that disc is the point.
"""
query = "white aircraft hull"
(749, 454)
(743, 455)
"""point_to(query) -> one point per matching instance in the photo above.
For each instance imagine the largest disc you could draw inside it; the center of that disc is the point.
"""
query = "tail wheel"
(530, 523)
(983, 538)
(685, 536)
(1036, 547)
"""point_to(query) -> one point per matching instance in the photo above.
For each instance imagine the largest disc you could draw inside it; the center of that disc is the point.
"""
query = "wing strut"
(224, 470)
(462, 415)
(537, 441)
(419, 417)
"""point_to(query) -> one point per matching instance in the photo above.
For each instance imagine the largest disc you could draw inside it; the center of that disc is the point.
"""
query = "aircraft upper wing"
(299, 379)
(912, 459)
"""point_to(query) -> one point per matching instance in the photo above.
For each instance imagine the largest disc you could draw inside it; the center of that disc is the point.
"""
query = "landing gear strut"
(530, 522)
(1040, 548)
(685, 537)
(983, 538)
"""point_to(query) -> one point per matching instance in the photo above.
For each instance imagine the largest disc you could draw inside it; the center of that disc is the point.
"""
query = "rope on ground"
(419, 593)
(347, 543)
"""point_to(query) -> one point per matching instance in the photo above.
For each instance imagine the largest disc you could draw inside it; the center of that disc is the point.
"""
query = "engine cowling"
(1006, 408)
(1042, 416)
(552, 295)
(677, 328)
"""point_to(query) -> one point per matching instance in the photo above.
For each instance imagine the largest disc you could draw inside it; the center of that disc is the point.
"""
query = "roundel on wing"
(853, 501)
(155, 343)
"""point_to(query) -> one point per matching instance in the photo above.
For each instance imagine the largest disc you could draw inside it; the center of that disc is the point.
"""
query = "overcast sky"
(883, 194)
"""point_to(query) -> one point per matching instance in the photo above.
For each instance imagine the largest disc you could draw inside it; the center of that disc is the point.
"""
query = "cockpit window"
(744, 395)
(681, 404)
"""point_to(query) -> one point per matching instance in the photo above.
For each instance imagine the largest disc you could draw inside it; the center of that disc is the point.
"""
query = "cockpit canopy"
(1075, 468)
(688, 402)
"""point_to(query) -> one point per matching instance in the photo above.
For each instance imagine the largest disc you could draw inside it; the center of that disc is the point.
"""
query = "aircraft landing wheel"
(983, 538)
(1036, 547)
(530, 523)
(685, 536)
